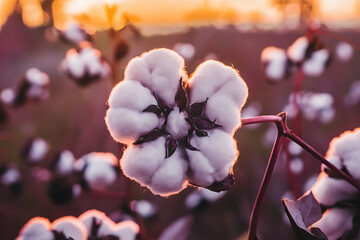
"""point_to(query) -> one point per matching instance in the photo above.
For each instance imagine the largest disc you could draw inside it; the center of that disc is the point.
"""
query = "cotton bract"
(177, 129)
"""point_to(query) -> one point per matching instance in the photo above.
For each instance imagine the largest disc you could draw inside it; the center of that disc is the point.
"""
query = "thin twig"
(264, 184)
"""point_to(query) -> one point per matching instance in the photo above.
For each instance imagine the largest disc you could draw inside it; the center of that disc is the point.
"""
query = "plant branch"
(292, 136)
(283, 131)
(265, 183)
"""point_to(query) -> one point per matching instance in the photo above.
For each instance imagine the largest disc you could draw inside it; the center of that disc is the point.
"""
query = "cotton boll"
(38, 149)
(315, 65)
(294, 148)
(170, 177)
(36, 77)
(211, 77)
(327, 191)
(73, 64)
(296, 51)
(70, 227)
(8, 96)
(352, 164)
(74, 34)
(37, 228)
(106, 224)
(99, 171)
(127, 230)
(353, 96)
(65, 162)
(176, 124)
(166, 68)
(275, 63)
(335, 222)
(210, 195)
(85, 65)
(222, 110)
(10, 176)
(296, 165)
(186, 50)
(131, 95)
(144, 208)
(140, 162)
(193, 200)
(344, 51)
(138, 70)
(215, 159)
(126, 126)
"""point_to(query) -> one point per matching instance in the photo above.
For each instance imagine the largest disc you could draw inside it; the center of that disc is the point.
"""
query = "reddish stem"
(355, 45)
(283, 131)
(265, 183)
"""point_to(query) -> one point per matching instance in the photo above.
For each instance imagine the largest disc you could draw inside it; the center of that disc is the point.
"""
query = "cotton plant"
(73, 34)
(11, 179)
(85, 65)
(307, 54)
(92, 224)
(32, 87)
(314, 106)
(352, 97)
(99, 170)
(65, 228)
(337, 197)
(178, 131)
(35, 150)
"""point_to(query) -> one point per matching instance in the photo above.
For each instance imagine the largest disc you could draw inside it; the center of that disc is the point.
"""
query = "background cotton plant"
(171, 131)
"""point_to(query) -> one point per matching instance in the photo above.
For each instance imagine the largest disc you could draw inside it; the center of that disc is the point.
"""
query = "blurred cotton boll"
(177, 129)
(200, 195)
(64, 162)
(186, 50)
(344, 51)
(74, 34)
(35, 150)
(314, 106)
(144, 208)
(99, 169)
(99, 226)
(275, 63)
(85, 65)
(11, 178)
(297, 51)
(353, 96)
(315, 65)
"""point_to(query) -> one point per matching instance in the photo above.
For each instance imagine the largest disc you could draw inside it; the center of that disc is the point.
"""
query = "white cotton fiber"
(87, 220)
(126, 126)
(37, 228)
(139, 162)
(132, 95)
(170, 177)
(218, 150)
(70, 227)
(65, 162)
(328, 191)
(176, 124)
(126, 230)
(315, 65)
(275, 62)
(165, 68)
(335, 222)
(296, 51)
